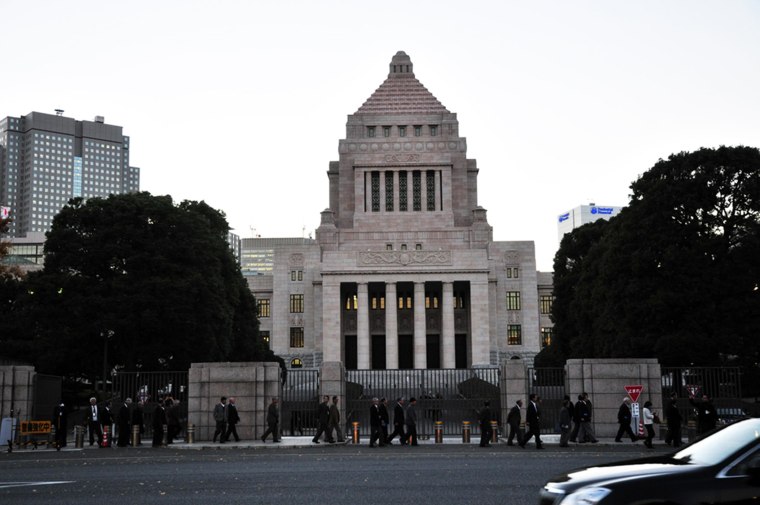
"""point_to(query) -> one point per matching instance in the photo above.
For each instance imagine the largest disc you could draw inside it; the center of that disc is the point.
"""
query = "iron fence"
(300, 398)
(450, 396)
(151, 388)
(721, 384)
(549, 384)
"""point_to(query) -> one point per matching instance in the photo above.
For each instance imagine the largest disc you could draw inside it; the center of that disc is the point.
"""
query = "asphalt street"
(334, 475)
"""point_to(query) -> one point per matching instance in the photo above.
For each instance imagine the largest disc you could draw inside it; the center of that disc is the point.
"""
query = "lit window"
(513, 300)
(546, 336)
(296, 303)
(263, 308)
(514, 334)
(546, 302)
(296, 337)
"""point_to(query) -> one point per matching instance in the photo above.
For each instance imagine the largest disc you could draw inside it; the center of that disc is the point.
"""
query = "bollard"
(135, 435)
(439, 432)
(495, 432)
(105, 437)
(190, 433)
(355, 434)
(465, 432)
(78, 436)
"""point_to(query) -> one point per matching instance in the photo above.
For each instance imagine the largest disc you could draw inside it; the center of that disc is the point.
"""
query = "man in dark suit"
(323, 416)
(485, 425)
(93, 422)
(533, 419)
(624, 420)
(375, 422)
(398, 422)
(384, 421)
(232, 419)
(513, 420)
(273, 420)
(61, 425)
(124, 419)
(159, 420)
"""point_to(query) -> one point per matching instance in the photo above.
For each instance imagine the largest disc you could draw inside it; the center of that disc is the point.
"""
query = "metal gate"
(151, 388)
(300, 398)
(721, 384)
(450, 396)
(549, 384)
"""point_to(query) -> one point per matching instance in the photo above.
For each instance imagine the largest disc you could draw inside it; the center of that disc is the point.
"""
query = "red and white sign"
(634, 391)
(5, 212)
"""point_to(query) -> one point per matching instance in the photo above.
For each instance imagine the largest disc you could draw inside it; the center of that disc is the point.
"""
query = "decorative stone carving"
(513, 317)
(381, 258)
(296, 260)
(402, 158)
(512, 258)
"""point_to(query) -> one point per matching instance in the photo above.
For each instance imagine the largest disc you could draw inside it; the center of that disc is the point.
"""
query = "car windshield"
(721, 444)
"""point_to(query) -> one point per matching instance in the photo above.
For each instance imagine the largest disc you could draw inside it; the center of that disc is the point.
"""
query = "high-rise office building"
(47, 159)
(584, 214)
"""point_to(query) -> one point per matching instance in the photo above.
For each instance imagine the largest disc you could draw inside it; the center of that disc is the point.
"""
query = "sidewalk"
(305, 442)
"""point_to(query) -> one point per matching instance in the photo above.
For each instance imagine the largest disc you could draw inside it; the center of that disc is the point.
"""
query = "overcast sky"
(242, 103)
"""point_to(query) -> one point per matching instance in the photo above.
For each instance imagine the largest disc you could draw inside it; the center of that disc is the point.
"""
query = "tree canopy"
(153, 281)
(675, 275)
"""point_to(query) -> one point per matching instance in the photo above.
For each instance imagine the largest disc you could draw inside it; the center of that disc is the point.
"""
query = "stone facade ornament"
(381, 258)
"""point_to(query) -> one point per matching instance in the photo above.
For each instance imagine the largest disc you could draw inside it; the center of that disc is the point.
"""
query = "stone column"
(381, 182)
(423, 190)
(447, 339)
(479, 321)
(362, 327)
(391, 326)
(420, 328)
(332, 337)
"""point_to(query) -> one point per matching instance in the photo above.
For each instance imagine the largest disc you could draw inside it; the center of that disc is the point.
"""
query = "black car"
(721, 468)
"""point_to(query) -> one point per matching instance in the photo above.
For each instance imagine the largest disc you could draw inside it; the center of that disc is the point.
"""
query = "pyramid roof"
(402, 93)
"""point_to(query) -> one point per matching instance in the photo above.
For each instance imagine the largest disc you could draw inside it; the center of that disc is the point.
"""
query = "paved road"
(438, 475)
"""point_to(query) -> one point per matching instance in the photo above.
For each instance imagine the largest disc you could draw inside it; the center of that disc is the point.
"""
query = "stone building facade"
(404, 271)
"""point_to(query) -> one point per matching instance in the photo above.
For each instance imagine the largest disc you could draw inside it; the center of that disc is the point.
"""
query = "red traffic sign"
(692, 389)
(634, 391)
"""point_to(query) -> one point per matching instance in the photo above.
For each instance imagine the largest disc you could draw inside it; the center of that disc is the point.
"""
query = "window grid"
(296, 337)
(417, 190)
(388, 191)
(546, 302)
(296, 304)
(430, 183)
(375, 178)
(514, 334)
(263, 307)
(403, 204)
(513, 300)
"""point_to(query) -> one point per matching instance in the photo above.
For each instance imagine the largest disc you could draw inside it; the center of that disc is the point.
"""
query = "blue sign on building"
(564, 217)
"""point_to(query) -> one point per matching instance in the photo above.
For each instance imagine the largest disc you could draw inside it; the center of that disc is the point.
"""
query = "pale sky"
(242, 103)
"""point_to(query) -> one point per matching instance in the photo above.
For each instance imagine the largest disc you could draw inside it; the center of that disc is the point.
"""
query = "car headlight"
(586, 496)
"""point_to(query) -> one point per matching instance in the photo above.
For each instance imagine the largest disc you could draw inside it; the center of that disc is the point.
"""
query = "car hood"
(599, 475)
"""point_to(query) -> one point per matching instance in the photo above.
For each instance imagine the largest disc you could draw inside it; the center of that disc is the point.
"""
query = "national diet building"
(403, 272)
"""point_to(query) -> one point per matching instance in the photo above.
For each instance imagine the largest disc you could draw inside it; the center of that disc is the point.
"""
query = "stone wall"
(16, 390)
(253, 385)
(605, 380)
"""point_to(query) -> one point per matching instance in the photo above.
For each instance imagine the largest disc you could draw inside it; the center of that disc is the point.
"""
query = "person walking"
(232, 419)
(624, 420)
(106, 420)
(273, 420)
(374, 423)
(577, 408)
(564, 422)
(220, 417)
(485, 425)
(707, 416)
(173, 424)
(323, 416)
(673, 419)
(410, 418)
(159, 420)
(333, 422)
(398, 422)
(586, 432)
(513, 420)
(648, 423)
(125, 418)
(384, 421)
(533, 419)
(60, 421)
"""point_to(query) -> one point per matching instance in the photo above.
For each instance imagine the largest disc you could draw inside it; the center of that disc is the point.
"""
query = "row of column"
(391, 326)
(409, 190)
